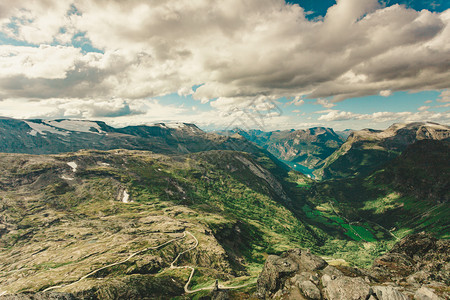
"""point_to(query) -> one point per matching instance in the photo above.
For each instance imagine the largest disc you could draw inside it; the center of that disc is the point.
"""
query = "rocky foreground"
(418, 267)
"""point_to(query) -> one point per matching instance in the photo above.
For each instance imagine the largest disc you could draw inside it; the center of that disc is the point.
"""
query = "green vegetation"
(236, 204)
(241, 207)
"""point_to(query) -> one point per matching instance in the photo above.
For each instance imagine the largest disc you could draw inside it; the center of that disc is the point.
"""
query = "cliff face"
(418, 266)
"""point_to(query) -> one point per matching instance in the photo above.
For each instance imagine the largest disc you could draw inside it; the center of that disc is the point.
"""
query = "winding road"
(117, 263)
(172, 266)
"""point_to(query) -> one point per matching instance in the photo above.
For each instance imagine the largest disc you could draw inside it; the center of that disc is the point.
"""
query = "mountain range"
(89, 211)
(59, 136)
(328, 154)
(364, 150)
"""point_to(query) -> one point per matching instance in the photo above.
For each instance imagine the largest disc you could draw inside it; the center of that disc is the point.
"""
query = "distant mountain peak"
(365, 149)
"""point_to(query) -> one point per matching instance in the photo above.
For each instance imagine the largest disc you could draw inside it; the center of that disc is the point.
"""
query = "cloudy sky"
(265, 64)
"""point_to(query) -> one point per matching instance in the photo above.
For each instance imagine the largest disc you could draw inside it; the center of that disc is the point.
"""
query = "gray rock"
(330, 270)
(425, 293)
(302, 276)
(279, 271)
(388, 293)
(419, 277)
(326, 279)
(310, 290)
(275, 272)
(314, 279)
(311, 262)
(347, 288)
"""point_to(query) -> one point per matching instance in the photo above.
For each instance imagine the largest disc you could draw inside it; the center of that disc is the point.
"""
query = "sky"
(221, 64)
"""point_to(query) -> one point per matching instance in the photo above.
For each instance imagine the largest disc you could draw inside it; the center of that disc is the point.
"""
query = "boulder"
(310, 290)
(425, 293)
(326, 279)
(419, 277)
(419, 257)
(296, 265)
(347, 288)
(332, 271)
(275, 272)
(388, 293)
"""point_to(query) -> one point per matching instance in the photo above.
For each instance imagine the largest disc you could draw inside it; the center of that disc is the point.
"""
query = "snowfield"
(76, 125)
(42, 128)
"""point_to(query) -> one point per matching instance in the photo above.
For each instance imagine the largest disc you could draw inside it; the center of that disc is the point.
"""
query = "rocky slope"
(365, 150)
(417, 267)
(307, 147)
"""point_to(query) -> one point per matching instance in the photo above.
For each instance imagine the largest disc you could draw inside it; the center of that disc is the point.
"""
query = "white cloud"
(49, 62)
(325, 103)
(443, 105)
(297, 101)
(444, 96)
(71, 108)
(381, 117)
(185, 91)
(336, 115)
(238, 51)
(385, 93)
(423, 108)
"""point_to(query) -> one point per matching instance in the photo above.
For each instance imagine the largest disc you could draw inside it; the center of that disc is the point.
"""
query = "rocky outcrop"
(417, 267)
(416, 259)
(278, 269)
(298, 274)
(388, 293)
(425, 293)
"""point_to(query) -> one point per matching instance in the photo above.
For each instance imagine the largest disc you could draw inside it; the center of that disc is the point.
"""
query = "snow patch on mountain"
(73, 165)
(42, 129)
(125, 197)
(67, 178)
(175, 125)
(76, 125)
